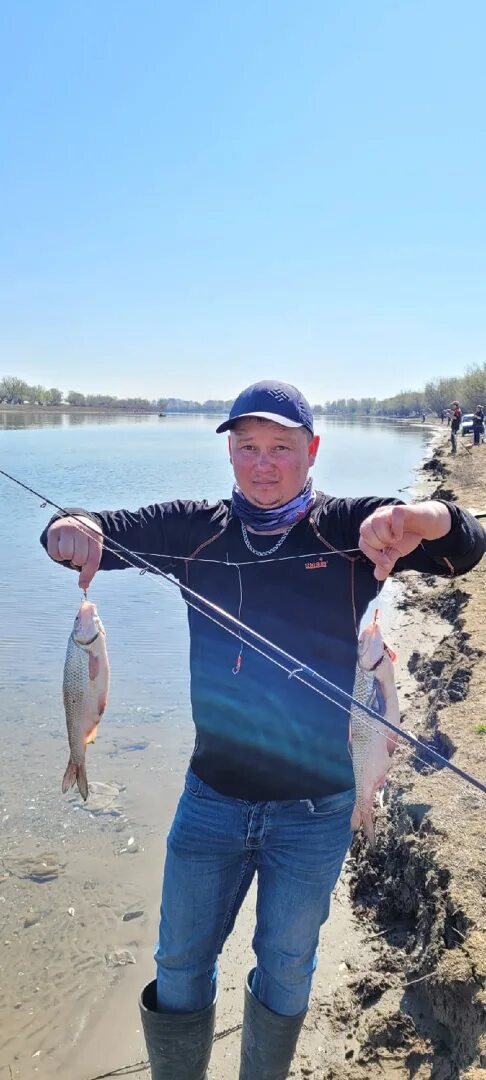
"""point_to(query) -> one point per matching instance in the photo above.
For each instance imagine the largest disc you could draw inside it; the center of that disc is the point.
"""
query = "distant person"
(423, 418)
(456, 417)
(269, 791)
(442, 416)
(478, 425)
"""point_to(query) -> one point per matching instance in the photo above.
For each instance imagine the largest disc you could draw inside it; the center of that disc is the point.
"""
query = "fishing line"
(363, 718)
(249, 562)
(116, 548)
(297, 668)
(296, 673)
(366, 711)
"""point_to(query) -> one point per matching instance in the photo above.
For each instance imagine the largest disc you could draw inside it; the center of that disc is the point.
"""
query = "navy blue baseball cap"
(270, 400)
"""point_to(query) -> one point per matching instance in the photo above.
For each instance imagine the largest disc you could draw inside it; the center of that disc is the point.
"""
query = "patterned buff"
(277, 517)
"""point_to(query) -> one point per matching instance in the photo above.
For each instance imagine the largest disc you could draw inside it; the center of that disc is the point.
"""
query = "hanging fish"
(85, 690)
(371, 743)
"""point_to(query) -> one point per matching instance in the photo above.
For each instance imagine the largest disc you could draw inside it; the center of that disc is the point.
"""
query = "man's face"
(270, 461)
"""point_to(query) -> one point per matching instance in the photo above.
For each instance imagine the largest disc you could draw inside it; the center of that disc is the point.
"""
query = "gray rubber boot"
(268, 1040)
(178, 1044)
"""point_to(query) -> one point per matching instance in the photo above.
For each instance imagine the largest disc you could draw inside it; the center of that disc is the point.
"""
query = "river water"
(70, 874)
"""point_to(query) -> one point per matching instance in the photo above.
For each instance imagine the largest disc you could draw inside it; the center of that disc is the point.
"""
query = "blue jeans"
(214, 848)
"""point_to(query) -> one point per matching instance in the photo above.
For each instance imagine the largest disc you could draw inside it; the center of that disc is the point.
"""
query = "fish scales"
(372, 743)
(75, 686)
(85, 690)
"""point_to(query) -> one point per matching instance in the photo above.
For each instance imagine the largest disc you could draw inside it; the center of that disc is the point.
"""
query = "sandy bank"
(419, 1009)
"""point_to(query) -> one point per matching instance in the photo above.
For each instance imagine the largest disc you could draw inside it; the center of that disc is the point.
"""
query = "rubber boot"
(268, 1040)
(178, 1044)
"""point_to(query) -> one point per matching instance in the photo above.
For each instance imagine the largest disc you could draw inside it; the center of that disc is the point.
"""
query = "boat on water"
(162, 414)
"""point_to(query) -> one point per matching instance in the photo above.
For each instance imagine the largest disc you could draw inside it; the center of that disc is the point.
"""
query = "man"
(478, 425)
(270, 787)
(456, 418)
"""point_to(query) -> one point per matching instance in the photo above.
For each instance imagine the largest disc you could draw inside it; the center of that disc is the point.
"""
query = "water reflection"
(13, 419)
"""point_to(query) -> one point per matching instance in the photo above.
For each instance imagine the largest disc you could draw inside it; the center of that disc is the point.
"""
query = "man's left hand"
(391, 532)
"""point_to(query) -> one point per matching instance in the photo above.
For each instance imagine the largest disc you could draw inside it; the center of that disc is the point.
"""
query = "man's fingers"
(65, 546)
(81, 549)
(85, 578)
(385, 527)
(383, 558)
(53, 545)
(91, 565)
(398, 516)
(376, 532)
(79, 543)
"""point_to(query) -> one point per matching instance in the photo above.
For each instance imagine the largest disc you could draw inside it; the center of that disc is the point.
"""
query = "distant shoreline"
(93, 410)
(76, 409)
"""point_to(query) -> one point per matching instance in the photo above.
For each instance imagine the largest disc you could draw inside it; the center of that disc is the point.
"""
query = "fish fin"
(102, 703)
(356, 818)
(391, 744)
(75, 774)
(369, 828)
(376, 699)
(91, 736)
(391, 653)
(94, 666)
(82, 781)
(69, 778)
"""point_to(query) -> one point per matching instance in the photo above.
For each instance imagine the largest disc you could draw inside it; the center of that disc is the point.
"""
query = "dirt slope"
(420, 1010)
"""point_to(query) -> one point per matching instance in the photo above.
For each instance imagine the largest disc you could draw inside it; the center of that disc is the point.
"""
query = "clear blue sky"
(200, 194)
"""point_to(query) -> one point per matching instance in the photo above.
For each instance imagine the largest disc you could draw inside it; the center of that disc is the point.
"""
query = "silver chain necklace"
(271, 550)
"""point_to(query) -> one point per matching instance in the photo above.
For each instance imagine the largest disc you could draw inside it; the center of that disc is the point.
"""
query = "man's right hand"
(78, 541)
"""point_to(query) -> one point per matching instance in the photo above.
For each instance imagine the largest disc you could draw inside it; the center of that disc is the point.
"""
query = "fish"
(372, 744)
(86, 685)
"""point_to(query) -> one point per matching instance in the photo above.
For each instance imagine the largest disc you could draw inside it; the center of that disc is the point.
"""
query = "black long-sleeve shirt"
(261, 735)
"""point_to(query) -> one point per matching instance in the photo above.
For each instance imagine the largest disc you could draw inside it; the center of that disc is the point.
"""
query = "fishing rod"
(298, 669)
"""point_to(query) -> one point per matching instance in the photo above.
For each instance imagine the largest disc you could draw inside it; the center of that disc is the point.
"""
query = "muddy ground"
(419, 1009)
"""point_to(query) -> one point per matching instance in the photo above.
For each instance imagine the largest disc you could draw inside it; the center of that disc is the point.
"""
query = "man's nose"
(263, 459)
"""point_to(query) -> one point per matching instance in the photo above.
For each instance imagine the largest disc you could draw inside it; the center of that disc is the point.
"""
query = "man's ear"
(313, 448)
(229, 447)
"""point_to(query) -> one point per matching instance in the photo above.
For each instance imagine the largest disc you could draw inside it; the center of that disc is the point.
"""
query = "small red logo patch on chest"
(320, 564)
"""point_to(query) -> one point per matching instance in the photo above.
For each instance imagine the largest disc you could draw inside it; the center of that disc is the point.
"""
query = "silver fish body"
(85, 691)
(371, 742)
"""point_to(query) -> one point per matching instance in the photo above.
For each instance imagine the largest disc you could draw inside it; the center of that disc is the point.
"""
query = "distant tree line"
(15, 391)
(469, 390)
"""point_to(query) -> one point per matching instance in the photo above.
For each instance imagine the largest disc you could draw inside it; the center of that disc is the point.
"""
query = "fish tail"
(75, 774)
(369, 828)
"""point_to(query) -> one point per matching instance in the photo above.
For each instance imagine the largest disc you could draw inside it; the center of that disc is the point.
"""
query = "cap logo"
(279, 395)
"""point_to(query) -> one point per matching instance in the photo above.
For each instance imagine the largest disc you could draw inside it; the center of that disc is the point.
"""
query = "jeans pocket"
(328, 805)
(193, 784)
(201, 790)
